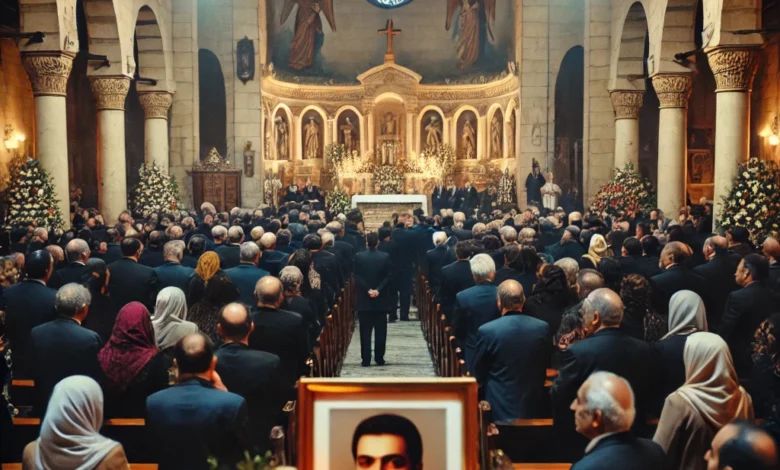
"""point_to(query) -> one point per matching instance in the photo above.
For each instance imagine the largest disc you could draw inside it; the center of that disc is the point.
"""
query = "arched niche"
(311, 129)
(349, 128)
(466, 127)
(495, 133)
(510, 132)
(213, 106)
(569, 91)
(430, 123)
(282, 133)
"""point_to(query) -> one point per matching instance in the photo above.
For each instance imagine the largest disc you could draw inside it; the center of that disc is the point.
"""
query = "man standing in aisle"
(372, 278)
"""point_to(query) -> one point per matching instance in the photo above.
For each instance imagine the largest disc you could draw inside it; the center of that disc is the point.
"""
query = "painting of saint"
(510, 135)
(469, 141)
(308, 29)
(496, 137)
(469, 33)
(282, 138)
(433, 132)
(312, 136)
(349, 131)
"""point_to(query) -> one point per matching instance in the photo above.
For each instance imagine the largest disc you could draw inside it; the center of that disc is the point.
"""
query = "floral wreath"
(389, 179)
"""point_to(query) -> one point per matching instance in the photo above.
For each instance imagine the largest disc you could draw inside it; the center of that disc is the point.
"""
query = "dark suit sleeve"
(388, 274)
(360, 282)
(238, 432)
(304, 349)
(95, 347)
(564, 387)
(483, 354)
(459, 314)
(730, 317)
(153, 289)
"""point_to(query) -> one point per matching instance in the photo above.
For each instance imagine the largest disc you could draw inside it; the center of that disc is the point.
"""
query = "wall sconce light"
(12, 142)
(774, 138)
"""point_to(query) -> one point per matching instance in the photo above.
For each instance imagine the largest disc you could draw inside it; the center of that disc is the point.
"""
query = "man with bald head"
(255, 375)
(511, 372)
(197, 418)
(607, 348)
(279, 332)
(771, 249)
(719, 272)
(742, 446)
(604, 413)
(676, 276)
(77, 252)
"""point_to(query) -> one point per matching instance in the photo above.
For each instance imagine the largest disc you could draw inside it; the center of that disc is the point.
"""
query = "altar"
(378, 208)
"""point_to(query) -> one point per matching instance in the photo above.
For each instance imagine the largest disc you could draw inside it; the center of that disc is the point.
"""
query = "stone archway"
(569, 91)
(213, 106)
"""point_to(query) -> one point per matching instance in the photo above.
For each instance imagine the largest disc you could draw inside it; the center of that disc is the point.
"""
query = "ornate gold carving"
(156, 104)
(48, 72)
(508, 85)
(734, 69)
(110, 92)
(626, 103)
(673, 90)
(214, 163)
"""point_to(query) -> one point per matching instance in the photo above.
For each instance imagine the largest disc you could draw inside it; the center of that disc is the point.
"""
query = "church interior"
(241, 100)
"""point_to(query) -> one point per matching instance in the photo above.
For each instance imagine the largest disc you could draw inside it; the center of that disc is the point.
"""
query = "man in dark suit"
(230, 253)
(131, 281)
(279, 332)
(647, 265)
(255, 375)
(475, 306)
(77, 251)
(739, 241)
(327, 246)
(676, 277)
(325, 264)
(569, 245)
(245, 275)
(719, 272)
(605, 348)
(28, 304)
(172, 273)
(771, 249)
(153, 255)
(631, 253)
(62, 347)
(406, 240)
(511, 373)
(195, 247)
(283, 239)
(746, 308)
(373, 270)
(389, 246)
(197, 418)
(604, 409)
(435, 262)
(456, 277)
(271, 259)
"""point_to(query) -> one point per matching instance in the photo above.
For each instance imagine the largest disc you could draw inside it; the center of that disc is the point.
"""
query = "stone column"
(156, 105)
(734, 70)
(49, 73)
(111, 93)
(673, 92)
(626, 105)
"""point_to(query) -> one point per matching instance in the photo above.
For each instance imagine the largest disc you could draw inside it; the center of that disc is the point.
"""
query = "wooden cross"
(390, 32)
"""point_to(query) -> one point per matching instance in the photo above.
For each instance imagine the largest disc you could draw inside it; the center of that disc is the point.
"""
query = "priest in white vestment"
(551, 193)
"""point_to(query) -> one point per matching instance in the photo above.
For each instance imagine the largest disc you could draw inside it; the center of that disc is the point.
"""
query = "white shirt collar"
(595, 441)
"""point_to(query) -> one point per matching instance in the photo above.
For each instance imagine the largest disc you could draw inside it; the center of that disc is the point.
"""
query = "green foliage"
(754, 200)
(388, 179)
(155, 192)
(30, 198)
(249, 463)
(337, 201)
(628, 192)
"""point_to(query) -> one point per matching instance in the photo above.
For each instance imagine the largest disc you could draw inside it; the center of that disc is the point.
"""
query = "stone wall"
(766, 102)
(17, 105)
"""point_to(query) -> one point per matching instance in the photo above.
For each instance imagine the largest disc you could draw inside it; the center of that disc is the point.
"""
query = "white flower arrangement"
(155, 192)
(30, 195)
(753, 202)
(337, 201)
(388, 179)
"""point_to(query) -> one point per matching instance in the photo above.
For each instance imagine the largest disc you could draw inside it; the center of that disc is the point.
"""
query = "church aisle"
(406, 353)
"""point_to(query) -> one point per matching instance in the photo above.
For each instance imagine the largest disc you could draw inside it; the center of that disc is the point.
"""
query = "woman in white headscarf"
(686, 316)
(70, 437)
(597, 249)
(170, 318)
(710, 399)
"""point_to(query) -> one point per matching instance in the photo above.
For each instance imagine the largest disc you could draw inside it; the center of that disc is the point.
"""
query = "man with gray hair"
(62, 347)
(230, 253)
(172, 273)
(475, 306)
(604, 413)
(219, 235)
(78, 254)
(605, 348)
(508, 235)
(272, 259)
(514, 387)
(247, 273)
(346, 251)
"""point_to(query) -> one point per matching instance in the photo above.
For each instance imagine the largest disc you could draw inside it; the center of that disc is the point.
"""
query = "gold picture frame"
(444, 411)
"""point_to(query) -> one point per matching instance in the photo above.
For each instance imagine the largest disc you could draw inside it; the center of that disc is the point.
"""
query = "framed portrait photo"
(404, 423)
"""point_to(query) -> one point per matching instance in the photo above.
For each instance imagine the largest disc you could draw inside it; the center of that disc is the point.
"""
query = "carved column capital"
(627, 103)
(110, 92)
(156, 104)
(734, 69)
(48, 71)
(673, 90)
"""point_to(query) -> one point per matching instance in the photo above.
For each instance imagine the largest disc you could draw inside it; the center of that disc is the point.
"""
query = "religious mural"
(282, 136)
(473, 44)
(312, 135)
(496, 142)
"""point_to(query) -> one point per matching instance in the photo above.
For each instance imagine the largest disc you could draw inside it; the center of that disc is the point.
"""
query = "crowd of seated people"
(165, 314)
